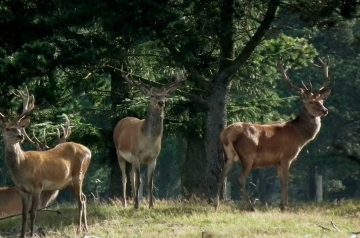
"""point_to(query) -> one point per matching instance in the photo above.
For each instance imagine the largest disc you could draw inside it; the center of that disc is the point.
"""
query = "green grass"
(181, 219)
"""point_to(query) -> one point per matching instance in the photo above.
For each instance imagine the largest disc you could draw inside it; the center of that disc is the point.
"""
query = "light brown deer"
(11, 205)
(10, 198)
(36, 171)
(278, 144)
(139, 141)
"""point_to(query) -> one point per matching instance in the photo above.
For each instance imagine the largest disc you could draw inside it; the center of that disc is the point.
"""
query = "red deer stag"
(139, 141)
(36, 171)
(278, 144)
(10, 198)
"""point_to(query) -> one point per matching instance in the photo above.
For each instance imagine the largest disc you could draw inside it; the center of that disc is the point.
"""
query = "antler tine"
(66, 128)
(171, 87)
(28, 102)
(143, 87)
(325, 66)
(310, 85)
(38, 143)
(27, 137)
(283, 70)
(304, 86)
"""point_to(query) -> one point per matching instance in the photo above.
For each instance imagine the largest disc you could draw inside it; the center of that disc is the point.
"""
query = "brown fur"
(139, 142)
(36, 171)
(278, 144)
(11, 205)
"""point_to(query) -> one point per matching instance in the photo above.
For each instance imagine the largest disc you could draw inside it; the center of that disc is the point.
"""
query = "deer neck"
(153, 125)
(14, 155)
(308, 126)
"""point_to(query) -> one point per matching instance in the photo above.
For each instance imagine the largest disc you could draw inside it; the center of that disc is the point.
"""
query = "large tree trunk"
(192, 175)
(215, 123)
(229, 65)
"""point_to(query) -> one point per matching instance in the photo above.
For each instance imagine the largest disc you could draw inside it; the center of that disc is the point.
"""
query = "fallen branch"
(335, 227)
(324, 227)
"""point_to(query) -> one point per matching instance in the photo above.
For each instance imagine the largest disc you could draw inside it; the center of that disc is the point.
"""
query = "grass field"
(184, 219)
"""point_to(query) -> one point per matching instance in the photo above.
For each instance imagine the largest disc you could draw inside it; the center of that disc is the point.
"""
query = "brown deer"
(278, 144)
(139, 141)
(36, 171)
(10, 198)
(11, 205)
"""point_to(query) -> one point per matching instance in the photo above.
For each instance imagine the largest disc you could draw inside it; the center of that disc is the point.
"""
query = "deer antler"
(325, 66)
(28, 102)
(66, 128)
(284, 70)
(126, 75)
(171, 87)
(41, 145)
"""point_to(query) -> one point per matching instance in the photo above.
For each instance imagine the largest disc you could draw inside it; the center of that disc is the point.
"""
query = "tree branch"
(240, 60)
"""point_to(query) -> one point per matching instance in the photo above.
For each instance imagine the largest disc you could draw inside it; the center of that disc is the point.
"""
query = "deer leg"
(284, 180)
(84, 215)
(228, 166)
(137, 181)
(35, 198)
(150, 175)
(81, 198)
(242, 180)
(132, 181)
(122, 164)
(25, 199)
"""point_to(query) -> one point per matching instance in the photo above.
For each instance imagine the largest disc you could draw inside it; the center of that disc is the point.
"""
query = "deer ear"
(324, 93)
(24, 122)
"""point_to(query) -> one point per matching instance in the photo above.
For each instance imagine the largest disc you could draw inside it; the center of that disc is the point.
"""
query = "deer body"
(36, 171)
(32, 171)
(278, 144)
(266, 145)
(11, 205)
(139, 141)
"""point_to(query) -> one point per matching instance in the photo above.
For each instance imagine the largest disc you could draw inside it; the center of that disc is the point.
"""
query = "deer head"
(157, 96)
(13, 129)
(313, 99)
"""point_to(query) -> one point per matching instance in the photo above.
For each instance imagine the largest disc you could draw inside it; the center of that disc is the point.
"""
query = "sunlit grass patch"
(191, 219)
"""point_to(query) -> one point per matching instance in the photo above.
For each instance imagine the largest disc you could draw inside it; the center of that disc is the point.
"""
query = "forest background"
(226, 50)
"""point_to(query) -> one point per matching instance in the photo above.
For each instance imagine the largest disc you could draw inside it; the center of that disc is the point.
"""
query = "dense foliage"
(226, 50)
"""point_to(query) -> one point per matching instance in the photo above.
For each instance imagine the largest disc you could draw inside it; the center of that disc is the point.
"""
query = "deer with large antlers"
(139, 141)
(10, 198)
(36, 171)
(278, 144)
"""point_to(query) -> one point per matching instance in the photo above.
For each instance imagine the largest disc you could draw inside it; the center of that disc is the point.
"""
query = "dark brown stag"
(278, 144)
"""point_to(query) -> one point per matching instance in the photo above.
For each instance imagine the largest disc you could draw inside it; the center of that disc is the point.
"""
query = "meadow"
(197, 219)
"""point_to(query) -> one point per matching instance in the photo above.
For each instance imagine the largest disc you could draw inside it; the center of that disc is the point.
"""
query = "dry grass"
(181, 219)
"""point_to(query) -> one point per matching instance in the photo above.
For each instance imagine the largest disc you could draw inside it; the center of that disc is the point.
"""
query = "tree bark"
(229, 65)
(215, 122)
(192, 175)
(119, 92)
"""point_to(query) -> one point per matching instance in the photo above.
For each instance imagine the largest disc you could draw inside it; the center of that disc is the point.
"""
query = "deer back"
(130, 139)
